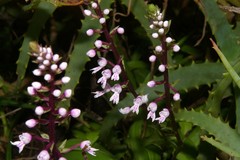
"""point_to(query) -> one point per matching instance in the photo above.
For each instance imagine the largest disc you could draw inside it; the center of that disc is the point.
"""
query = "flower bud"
(36, 85)
(158, 48)
(63, 66)
(152, 58)
(62, 112)
(68, 93)
(56, 93)
(176, 48)
(47, 77)
(102, 20)
(90, 32)
(176, 97)
(151, 84)
(120, 30)
(98, 43)
(106, 11)
(37, 72)
(155, 35)
(169, 39)
(65, 79)
(75, 113)
(46, 62)
(87, 12)
(31, 91)
(165, 24)
(43, 155)
(161, 31)
(161, 68)
(31, 123)
(55, 58)
(54, 67)
(94, 5)
(62, 158)
(39, 110)
(91, 53)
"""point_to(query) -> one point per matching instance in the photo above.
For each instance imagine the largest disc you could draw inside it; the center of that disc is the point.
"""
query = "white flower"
(24, 139)
(102, 62)
(125, 110)
(116, 71)
(117, 89)
(106, 74)
(43, 155)
(31, 123)
(163, 115)
(75, 112)
(85, 146)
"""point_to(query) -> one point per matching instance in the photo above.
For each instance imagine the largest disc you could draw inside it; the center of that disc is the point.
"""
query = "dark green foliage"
(205, 123)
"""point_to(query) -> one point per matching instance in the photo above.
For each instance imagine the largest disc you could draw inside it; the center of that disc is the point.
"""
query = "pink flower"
(102, 62)
(106, 74)
(152, 107)
(163, 115)
(117, 89)
(137, 102)
(24, 139)
(116, 71)
(85, 146)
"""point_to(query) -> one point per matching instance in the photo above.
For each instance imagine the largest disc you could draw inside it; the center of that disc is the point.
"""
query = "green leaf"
(227, 136)
(43, 12)
(227, 39)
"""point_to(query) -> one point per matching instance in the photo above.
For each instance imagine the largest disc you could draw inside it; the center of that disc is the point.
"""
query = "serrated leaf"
(221, 131)
(43, 11)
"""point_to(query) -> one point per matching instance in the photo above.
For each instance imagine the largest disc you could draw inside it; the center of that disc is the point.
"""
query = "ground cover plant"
(119, 79)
